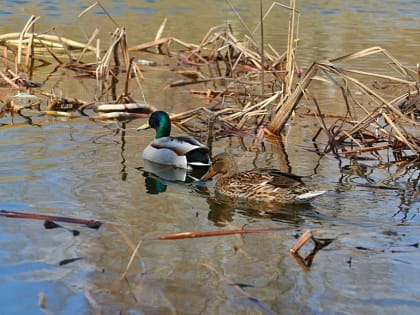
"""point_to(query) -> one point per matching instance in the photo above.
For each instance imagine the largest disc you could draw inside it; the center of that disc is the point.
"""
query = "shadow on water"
(222, 212)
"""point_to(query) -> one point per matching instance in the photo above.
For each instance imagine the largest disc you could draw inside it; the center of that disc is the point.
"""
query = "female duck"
(258, 186)
(183, 152)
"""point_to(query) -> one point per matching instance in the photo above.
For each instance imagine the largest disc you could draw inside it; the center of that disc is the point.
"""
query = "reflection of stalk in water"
(320, 243)
(356, 169)
(123, 171)
(409, 194)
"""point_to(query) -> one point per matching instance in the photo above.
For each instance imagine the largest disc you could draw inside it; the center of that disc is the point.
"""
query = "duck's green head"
(160, 121)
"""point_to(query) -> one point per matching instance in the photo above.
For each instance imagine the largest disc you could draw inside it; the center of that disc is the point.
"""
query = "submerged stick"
(183, 235)
(93, 224)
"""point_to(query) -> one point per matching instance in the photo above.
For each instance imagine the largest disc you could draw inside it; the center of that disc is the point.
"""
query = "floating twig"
(93, 224)
(184, 235)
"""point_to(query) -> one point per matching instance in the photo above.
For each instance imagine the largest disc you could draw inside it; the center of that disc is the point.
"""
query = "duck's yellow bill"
(143, 127)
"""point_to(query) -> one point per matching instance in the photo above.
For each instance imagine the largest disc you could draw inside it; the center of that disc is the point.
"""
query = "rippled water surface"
(91, 170)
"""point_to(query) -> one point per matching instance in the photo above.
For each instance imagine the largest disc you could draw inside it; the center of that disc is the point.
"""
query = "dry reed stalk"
(286, 109)
(208, 39)
(54, 113)
(184, 44)
(126, 107)
(247, 66)
(366, 149)
(103, 71)
(118, 116)
(86, 48)
(159, 34)
(130, 261)
(290, 47)
(8, 80)
(200, 234)
(150, 44)
(29, 60)
(127, 74)
(245, 26)
(27, 26)
(130, 244)
(93, 224)
(250, 107)
(5, 59)
(372, 120)
(371, 51)
(306, 236)
(262, 49)
(44, 39)
(384, 110)
(56, 102)
(323, 114)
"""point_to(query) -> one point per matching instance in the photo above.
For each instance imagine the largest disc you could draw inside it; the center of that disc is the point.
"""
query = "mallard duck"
(183, 152)
(258, 186)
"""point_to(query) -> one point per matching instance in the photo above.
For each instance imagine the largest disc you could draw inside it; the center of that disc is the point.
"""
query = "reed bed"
(249, 88)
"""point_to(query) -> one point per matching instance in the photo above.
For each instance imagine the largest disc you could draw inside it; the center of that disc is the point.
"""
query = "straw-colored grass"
(254, 87)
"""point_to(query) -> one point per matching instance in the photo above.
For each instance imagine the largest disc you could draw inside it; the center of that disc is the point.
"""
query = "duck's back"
(177, 151)
(262, 185)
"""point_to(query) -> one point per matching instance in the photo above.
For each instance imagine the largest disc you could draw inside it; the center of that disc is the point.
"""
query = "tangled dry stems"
(248, 88)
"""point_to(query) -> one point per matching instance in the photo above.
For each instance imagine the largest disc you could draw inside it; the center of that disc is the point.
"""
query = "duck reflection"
(159, 176)
(222, 211)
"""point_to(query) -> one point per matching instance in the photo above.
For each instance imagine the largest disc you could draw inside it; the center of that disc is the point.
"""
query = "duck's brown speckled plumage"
(259, 185)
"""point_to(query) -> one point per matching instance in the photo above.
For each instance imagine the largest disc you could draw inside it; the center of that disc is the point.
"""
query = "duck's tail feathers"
(311, 194)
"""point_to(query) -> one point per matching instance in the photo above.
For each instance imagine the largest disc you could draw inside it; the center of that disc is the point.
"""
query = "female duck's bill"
(182, 151)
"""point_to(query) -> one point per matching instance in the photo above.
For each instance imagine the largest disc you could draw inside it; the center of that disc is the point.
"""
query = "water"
(82, 169)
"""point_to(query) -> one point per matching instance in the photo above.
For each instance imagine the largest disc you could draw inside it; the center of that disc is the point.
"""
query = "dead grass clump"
(247, 85)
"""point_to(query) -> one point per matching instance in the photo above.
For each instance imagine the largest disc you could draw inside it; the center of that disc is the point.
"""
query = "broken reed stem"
(301, 241)
(159, 35)
(367, 149)
(47, 39)
(286, 109)
(384, 109)
(262, 49)
(130, 244)
(290, 48)
(130, 261)
(184, 235)
(103, 71)
(29, 61)
(94, 224)
(128, 76)
(8, 80)
(27, 26)
(237, 57)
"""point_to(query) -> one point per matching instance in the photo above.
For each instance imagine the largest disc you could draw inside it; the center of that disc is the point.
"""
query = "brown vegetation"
(253, 89)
